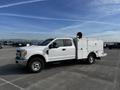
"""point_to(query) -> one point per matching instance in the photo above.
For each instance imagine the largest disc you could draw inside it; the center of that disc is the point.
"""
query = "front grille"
(18, 58)
(18, 54)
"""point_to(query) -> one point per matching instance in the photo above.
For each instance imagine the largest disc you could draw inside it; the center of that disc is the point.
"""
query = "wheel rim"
(36, 66)
(91, 59)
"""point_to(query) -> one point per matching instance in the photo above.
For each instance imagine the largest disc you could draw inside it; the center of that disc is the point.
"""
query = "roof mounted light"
(79, 35)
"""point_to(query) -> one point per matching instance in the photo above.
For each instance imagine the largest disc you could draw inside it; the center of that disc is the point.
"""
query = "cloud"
(109, 10)
(57, 19)
(92, 24)
(88, 27)
(20, 3)
(105, 2)
(102, 30)
(106, 8)
(107, 36)
(26, 35)
(38, 17)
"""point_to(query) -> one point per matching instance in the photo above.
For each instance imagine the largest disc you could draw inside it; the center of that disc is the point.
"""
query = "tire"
(35, 65)
(91, 59)
(109, 47)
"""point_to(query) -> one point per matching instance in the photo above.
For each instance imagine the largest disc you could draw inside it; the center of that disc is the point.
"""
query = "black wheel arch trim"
(92, 53)
(36, 55)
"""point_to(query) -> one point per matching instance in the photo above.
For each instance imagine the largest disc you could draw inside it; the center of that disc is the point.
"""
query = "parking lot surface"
(103, 75)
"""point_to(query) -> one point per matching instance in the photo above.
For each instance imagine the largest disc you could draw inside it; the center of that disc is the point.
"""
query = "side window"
(59, 42)
(67, 42)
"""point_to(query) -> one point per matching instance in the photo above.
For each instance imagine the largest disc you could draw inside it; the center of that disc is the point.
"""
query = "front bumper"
(21, 61)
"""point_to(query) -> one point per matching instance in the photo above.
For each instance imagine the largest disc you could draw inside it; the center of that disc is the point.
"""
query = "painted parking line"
(14, 80)
(7, 82)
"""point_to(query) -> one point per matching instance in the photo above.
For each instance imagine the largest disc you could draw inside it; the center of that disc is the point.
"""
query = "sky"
(40, 19)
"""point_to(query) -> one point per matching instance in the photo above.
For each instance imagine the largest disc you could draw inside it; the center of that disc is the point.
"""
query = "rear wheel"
(35, 65)
(91, 59)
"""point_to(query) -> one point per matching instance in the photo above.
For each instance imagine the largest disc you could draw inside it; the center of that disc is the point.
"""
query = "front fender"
(31, 53)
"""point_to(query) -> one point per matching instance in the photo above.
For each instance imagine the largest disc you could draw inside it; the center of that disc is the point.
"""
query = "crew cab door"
(61, 49)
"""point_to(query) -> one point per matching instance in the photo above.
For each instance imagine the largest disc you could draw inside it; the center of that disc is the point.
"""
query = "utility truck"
(58, 49)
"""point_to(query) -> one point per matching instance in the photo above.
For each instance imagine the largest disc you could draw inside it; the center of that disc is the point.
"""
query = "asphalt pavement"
(103, 75)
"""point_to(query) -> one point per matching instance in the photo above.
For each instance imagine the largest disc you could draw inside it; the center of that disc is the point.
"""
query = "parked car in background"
(20, 44)
(1, 46)
(113, 46)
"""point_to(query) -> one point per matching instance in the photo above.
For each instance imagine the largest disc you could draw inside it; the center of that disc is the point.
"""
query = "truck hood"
(33, 48)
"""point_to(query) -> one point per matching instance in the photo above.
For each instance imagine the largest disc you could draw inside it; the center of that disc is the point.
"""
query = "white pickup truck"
(57, 49)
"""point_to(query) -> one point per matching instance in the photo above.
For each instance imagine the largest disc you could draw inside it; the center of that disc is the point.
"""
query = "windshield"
(46, 42)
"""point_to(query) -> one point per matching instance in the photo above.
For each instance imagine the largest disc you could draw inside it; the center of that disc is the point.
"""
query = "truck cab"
(57, 49)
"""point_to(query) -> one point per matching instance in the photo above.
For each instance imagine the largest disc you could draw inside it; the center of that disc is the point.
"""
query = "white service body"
(86, 46)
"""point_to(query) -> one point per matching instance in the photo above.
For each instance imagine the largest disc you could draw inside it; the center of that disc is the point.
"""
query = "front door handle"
(63, 49)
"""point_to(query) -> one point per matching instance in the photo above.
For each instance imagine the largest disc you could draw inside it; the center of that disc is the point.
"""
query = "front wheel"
(35, 65)
(91, 59)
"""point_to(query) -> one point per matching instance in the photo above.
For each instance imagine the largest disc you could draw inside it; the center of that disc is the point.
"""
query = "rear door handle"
(63, 49)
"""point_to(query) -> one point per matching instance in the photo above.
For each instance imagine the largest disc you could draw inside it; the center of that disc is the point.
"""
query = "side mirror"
(50, 46)
(54, 45)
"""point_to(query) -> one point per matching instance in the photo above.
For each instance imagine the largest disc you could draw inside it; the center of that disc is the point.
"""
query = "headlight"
(23, 53)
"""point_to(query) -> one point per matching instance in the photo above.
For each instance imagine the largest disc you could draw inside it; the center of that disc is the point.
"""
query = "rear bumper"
(102, 55)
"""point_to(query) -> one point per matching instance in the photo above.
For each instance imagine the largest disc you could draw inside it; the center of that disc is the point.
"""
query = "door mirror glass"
(53, 45)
